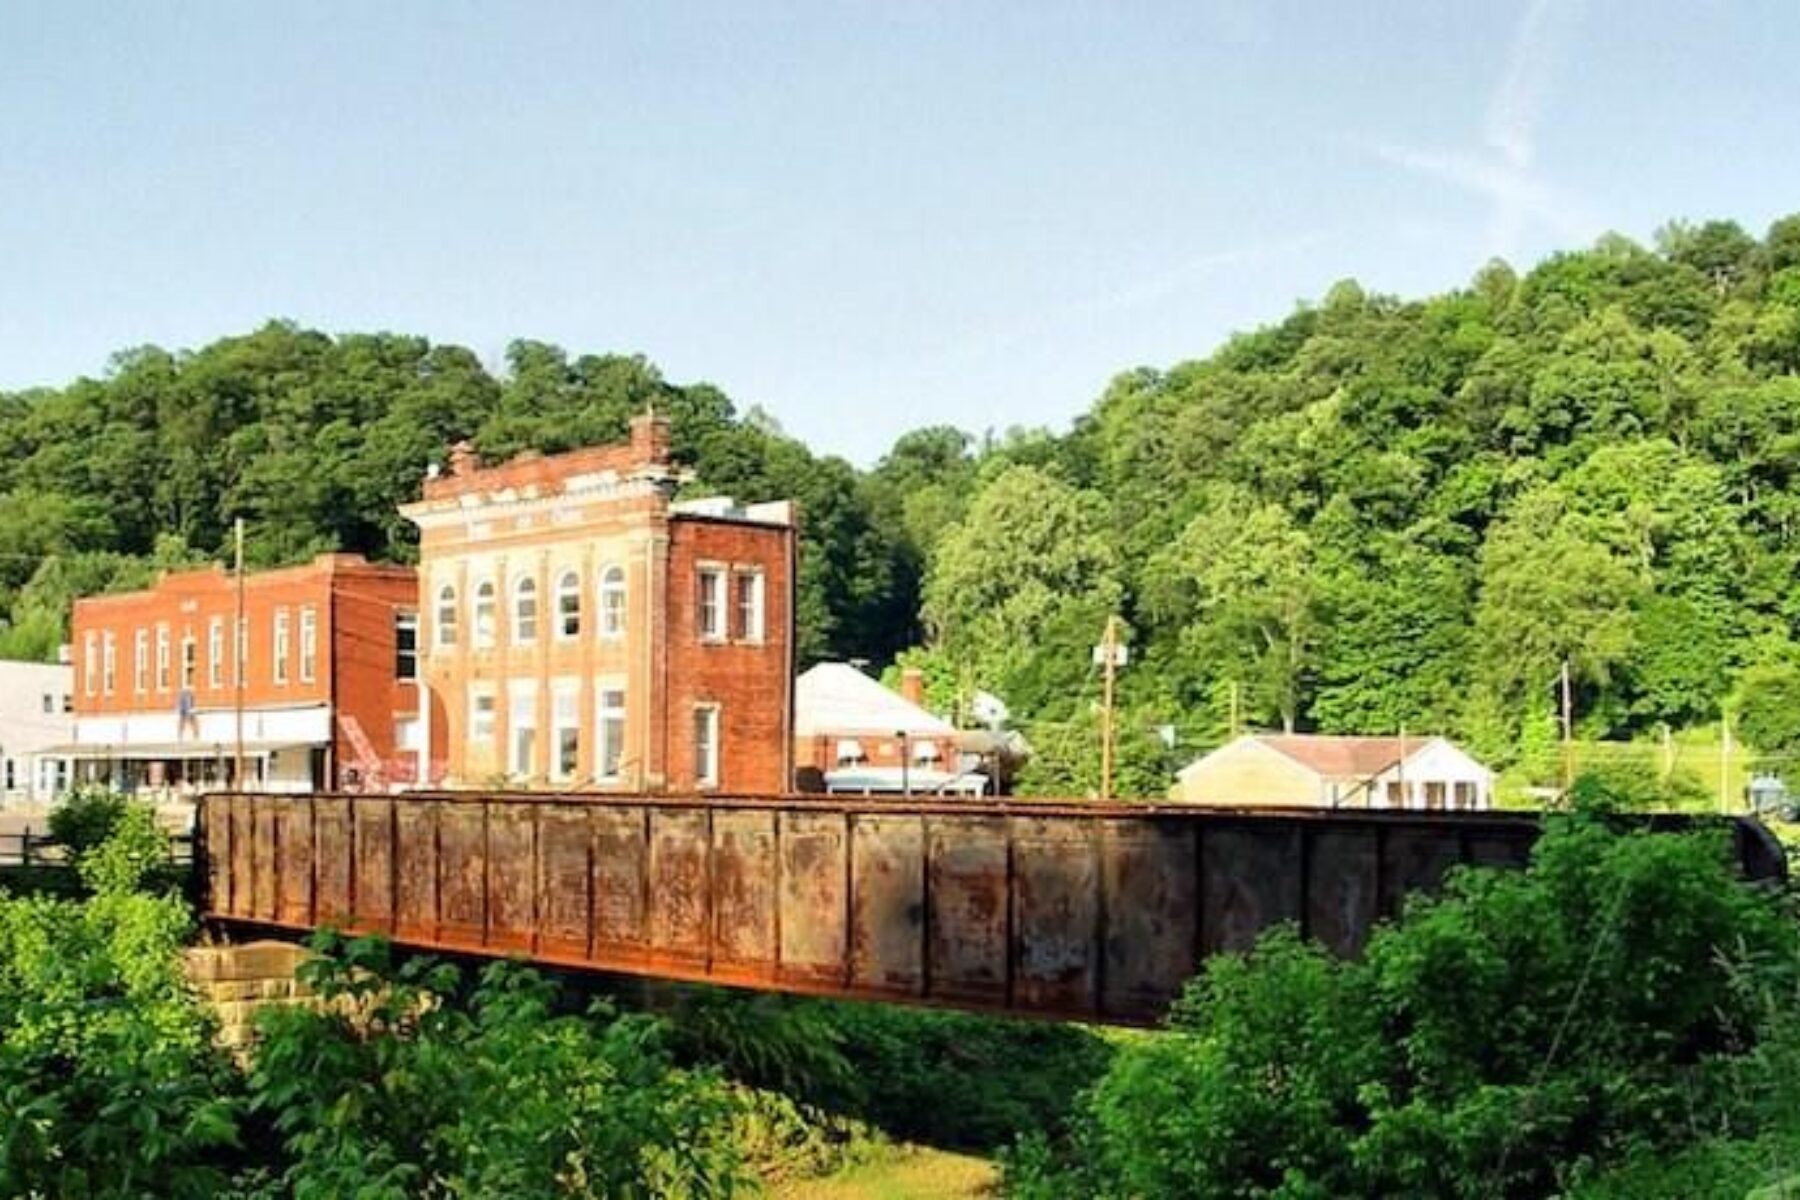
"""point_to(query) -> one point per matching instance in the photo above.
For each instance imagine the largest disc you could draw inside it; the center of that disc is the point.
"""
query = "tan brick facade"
(561, 625)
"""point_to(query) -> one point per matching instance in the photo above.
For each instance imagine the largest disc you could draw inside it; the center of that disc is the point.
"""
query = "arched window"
(445, 620)
(612, 602)
(484, 613)
(568, 605)
(525, 610)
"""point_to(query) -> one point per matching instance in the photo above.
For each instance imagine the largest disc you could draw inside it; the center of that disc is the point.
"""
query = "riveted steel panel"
(265, 870)
(243, 857)
(462, 874)
(215, 818)
(1249, 880)
(374, 819)
(1056, 914)
(416, 870)
(621, 883)
(565, 875)
(744, 857)
(813, 896)
(332, 869)
(1152, 913)
(680, 889)
(294, 838)
(887, 935)
(1343, 887)
(511, 879)
(971, 909)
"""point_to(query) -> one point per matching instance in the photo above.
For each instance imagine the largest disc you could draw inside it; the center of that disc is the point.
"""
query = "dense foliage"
(1616, 1021)
(1376, 512)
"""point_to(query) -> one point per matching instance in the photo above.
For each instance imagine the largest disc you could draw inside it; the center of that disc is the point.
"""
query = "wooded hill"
(1377, 512)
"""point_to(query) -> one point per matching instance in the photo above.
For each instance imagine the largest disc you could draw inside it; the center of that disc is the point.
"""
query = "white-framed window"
(749, 605)
(481, 716)
(565, 726)
(406, 644)
(712, 604)
(706, 745)
(525, 610)
(162, 658)
(215, 653)
(109, 656)
(568, 605)
(521, 728)
(90, 662)
(484, 613)
(309, 644)
(283, 636)
(609, 720)
(612, 602)
(190, 660)
(445, 619)
(140, 662)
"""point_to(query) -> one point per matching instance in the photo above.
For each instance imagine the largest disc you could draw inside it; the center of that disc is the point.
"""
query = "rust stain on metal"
(1064, 909)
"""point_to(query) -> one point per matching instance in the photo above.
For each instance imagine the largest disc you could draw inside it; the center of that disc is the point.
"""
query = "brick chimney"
(649, 439)
(912, 686)
(463, 460)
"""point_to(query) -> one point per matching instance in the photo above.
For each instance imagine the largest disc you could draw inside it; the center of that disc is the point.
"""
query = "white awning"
(163, 751)
(919, 781)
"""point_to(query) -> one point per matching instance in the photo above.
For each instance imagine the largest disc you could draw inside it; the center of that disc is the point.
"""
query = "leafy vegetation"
(1616, 1021)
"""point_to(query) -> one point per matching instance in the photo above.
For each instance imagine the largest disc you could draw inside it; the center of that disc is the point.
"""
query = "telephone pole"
(240, 652)
(1110, 655)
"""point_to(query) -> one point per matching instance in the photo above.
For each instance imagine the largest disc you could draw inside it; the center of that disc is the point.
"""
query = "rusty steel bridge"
(1068, 909)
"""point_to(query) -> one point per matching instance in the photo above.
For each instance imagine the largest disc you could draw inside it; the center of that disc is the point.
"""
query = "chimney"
(464, 460)
(649, 439)
(912, 686)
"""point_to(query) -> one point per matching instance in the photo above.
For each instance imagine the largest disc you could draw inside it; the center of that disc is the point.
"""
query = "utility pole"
(240, 652)
(1110, 655)
(1568, 733)
(1400, 768)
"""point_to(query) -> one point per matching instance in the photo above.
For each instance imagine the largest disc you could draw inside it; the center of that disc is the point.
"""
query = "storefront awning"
(162, 751)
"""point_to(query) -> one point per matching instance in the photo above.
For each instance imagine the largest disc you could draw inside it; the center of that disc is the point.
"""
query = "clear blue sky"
(863, 218)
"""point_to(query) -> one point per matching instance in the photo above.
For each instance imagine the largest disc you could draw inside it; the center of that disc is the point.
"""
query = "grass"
(902, 1173)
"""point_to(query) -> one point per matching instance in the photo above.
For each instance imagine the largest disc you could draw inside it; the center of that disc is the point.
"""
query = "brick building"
(582, 629)
(326, 654)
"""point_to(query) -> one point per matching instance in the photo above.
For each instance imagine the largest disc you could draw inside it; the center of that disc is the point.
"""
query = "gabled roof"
(835, 698)
(1337, 757)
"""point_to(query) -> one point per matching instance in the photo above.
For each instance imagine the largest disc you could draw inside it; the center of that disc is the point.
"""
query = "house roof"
(1342, 756)
(836, 698)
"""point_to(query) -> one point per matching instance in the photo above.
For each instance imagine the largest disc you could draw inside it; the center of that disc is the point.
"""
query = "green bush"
(1527, 1033)
(85, 818)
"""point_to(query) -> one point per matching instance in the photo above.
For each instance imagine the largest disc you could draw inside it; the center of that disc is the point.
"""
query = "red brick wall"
(751, 683)
(365, 604)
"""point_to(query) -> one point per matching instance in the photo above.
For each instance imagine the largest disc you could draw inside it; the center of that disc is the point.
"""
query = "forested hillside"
(1376, 512)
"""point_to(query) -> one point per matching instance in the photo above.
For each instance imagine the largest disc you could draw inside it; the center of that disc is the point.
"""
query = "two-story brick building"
(321, 673)
(582, 629)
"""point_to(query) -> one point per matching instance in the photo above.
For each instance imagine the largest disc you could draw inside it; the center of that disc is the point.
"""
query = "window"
(521, 729)
(190, 661)
(750, 606)
(140, 662)
(1434, 795)
(481, 718)
(611, 720)
(68, 703)
(282, 637)
(162, 658)
(612, 602)
(109, 654)
(90, 662)
(215, 653)
(568, 605)
(565, 720)
(712, 604)
(50, 702)
(406, 645)
(706, 745)
(484, 613)
(1464, 795)
(525, 610)
(309, 643)
(446, 616)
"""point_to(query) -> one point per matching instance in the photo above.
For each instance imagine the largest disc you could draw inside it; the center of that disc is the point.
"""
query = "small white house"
(1320, 771)
(35, 717)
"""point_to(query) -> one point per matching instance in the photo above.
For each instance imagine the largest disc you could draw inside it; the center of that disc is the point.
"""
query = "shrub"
(85, 818)
(1523, 1034)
